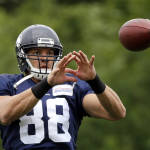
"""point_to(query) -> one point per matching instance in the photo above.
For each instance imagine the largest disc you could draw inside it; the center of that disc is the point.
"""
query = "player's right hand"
(58, 74)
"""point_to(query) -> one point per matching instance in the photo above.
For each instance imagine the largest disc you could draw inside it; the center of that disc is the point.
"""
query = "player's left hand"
(85, 70)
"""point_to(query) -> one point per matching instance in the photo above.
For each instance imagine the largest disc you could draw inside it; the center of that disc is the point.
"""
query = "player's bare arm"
(105, 105)
(13, 107)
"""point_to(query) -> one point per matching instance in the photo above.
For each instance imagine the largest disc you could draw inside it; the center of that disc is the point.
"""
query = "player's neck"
(33, 79)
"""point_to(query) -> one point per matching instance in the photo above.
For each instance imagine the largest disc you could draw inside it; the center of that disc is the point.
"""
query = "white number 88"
(53, 121)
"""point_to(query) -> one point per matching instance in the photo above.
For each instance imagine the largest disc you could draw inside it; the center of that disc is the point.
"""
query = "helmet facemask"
(39, 72)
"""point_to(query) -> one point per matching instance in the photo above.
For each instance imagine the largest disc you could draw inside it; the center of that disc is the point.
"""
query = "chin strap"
(22, 80)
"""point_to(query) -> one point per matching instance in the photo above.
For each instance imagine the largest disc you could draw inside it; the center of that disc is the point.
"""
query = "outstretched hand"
(85, 70)
(58, 74)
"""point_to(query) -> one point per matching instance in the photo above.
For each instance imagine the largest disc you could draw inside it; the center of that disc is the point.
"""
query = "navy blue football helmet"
(36, 36)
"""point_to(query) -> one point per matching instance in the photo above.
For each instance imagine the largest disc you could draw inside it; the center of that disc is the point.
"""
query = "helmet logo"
(45, 42)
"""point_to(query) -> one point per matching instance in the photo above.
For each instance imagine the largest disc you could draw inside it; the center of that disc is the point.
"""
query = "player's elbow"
(5, 121)
(5, 118)
(121, 115)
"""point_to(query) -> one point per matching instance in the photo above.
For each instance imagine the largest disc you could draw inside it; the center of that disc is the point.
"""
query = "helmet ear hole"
(36, 36)
(27, 50)
(57, 52)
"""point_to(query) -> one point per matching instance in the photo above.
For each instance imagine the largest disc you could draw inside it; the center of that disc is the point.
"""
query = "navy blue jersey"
(54, 121)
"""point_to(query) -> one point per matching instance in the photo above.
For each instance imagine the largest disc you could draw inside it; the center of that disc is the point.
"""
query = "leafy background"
(92, 26)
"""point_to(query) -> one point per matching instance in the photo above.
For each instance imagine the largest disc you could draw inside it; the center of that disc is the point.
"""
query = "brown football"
(135, 34)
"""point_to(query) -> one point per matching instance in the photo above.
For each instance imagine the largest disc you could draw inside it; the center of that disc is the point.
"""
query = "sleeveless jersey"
(54, 121)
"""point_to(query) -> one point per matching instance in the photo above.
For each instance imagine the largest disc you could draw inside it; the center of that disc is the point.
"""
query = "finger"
(78, 55)
(64, 59)
(84, 57)
(69, 70)
(55, 71)
(92, 60)
(59, 64)
(71, 79)
(69, 60)
(78, 61)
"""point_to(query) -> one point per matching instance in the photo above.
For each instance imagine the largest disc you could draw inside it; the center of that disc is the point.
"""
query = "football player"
(42, 108)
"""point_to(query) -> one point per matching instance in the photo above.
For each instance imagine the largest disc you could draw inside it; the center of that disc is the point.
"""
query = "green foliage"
(92, 26)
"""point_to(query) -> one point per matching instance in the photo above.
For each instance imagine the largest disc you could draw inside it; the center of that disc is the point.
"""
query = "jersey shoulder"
(84, 86)
(81, 87)
(12, 78)
(7, 81)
